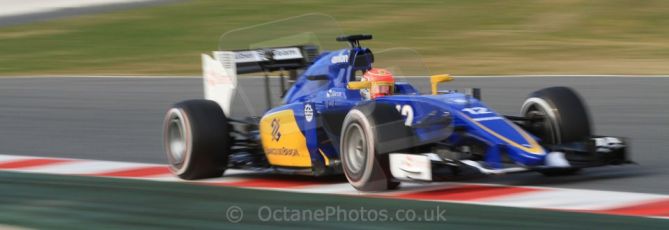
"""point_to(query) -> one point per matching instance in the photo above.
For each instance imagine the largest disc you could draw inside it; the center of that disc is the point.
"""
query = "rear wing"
(220, 71)
(274, 59)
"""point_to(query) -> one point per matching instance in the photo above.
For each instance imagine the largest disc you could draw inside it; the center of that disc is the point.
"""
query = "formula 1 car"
(329, 124)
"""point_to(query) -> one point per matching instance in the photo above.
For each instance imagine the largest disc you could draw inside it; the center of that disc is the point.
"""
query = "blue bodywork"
(472, 119)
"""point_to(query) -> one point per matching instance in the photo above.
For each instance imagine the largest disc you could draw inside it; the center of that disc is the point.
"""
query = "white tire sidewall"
(550, 112)
(187, 134)
(371, 151)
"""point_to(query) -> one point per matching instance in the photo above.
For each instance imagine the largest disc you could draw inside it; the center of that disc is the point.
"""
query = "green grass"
(72, 202)
(454, 36)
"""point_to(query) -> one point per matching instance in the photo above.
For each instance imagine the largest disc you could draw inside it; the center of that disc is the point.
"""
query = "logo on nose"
(276, 135)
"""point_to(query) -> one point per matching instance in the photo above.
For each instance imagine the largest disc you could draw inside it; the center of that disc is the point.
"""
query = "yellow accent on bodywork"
(358, 85)
(291, 147)
(327, 160)
(436, 79)
(534, 148)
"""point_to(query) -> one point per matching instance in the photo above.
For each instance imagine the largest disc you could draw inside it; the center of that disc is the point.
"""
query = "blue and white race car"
(343, 115)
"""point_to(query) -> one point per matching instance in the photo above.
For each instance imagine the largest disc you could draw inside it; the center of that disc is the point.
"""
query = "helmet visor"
(382, 89)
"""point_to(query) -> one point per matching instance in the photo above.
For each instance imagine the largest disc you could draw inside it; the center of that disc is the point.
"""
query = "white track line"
(24, 7)
(574, 199)
(82, 167)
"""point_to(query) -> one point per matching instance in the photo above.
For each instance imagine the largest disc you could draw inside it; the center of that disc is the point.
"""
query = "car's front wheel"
(562, 115)
(559, 116)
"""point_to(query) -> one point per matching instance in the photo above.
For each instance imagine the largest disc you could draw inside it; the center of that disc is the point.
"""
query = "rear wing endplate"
(220, 71)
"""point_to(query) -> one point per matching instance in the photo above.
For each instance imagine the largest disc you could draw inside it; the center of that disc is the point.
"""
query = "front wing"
(597, 151)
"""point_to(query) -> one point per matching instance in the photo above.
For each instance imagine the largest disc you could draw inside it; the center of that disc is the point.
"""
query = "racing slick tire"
(365, 167)
(565, 119)
(196, 139)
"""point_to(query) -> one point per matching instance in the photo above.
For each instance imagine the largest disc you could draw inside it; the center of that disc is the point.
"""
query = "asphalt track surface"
(120, 119)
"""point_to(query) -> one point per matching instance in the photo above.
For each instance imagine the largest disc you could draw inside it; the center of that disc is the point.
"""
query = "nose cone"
(520, 145)
(528, 157)
(527, 150)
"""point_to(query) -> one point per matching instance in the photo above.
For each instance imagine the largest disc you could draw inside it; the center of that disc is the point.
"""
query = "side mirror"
(436, 79)
(359, 85)
(320, 77)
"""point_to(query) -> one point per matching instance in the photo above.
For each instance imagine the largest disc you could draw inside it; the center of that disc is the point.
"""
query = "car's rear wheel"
(196, 139)
(364, 166)
(558, 116)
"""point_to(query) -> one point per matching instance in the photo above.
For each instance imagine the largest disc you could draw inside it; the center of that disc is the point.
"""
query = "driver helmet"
(382, 83)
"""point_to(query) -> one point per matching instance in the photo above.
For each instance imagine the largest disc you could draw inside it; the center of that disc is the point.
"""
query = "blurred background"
(474, 37)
